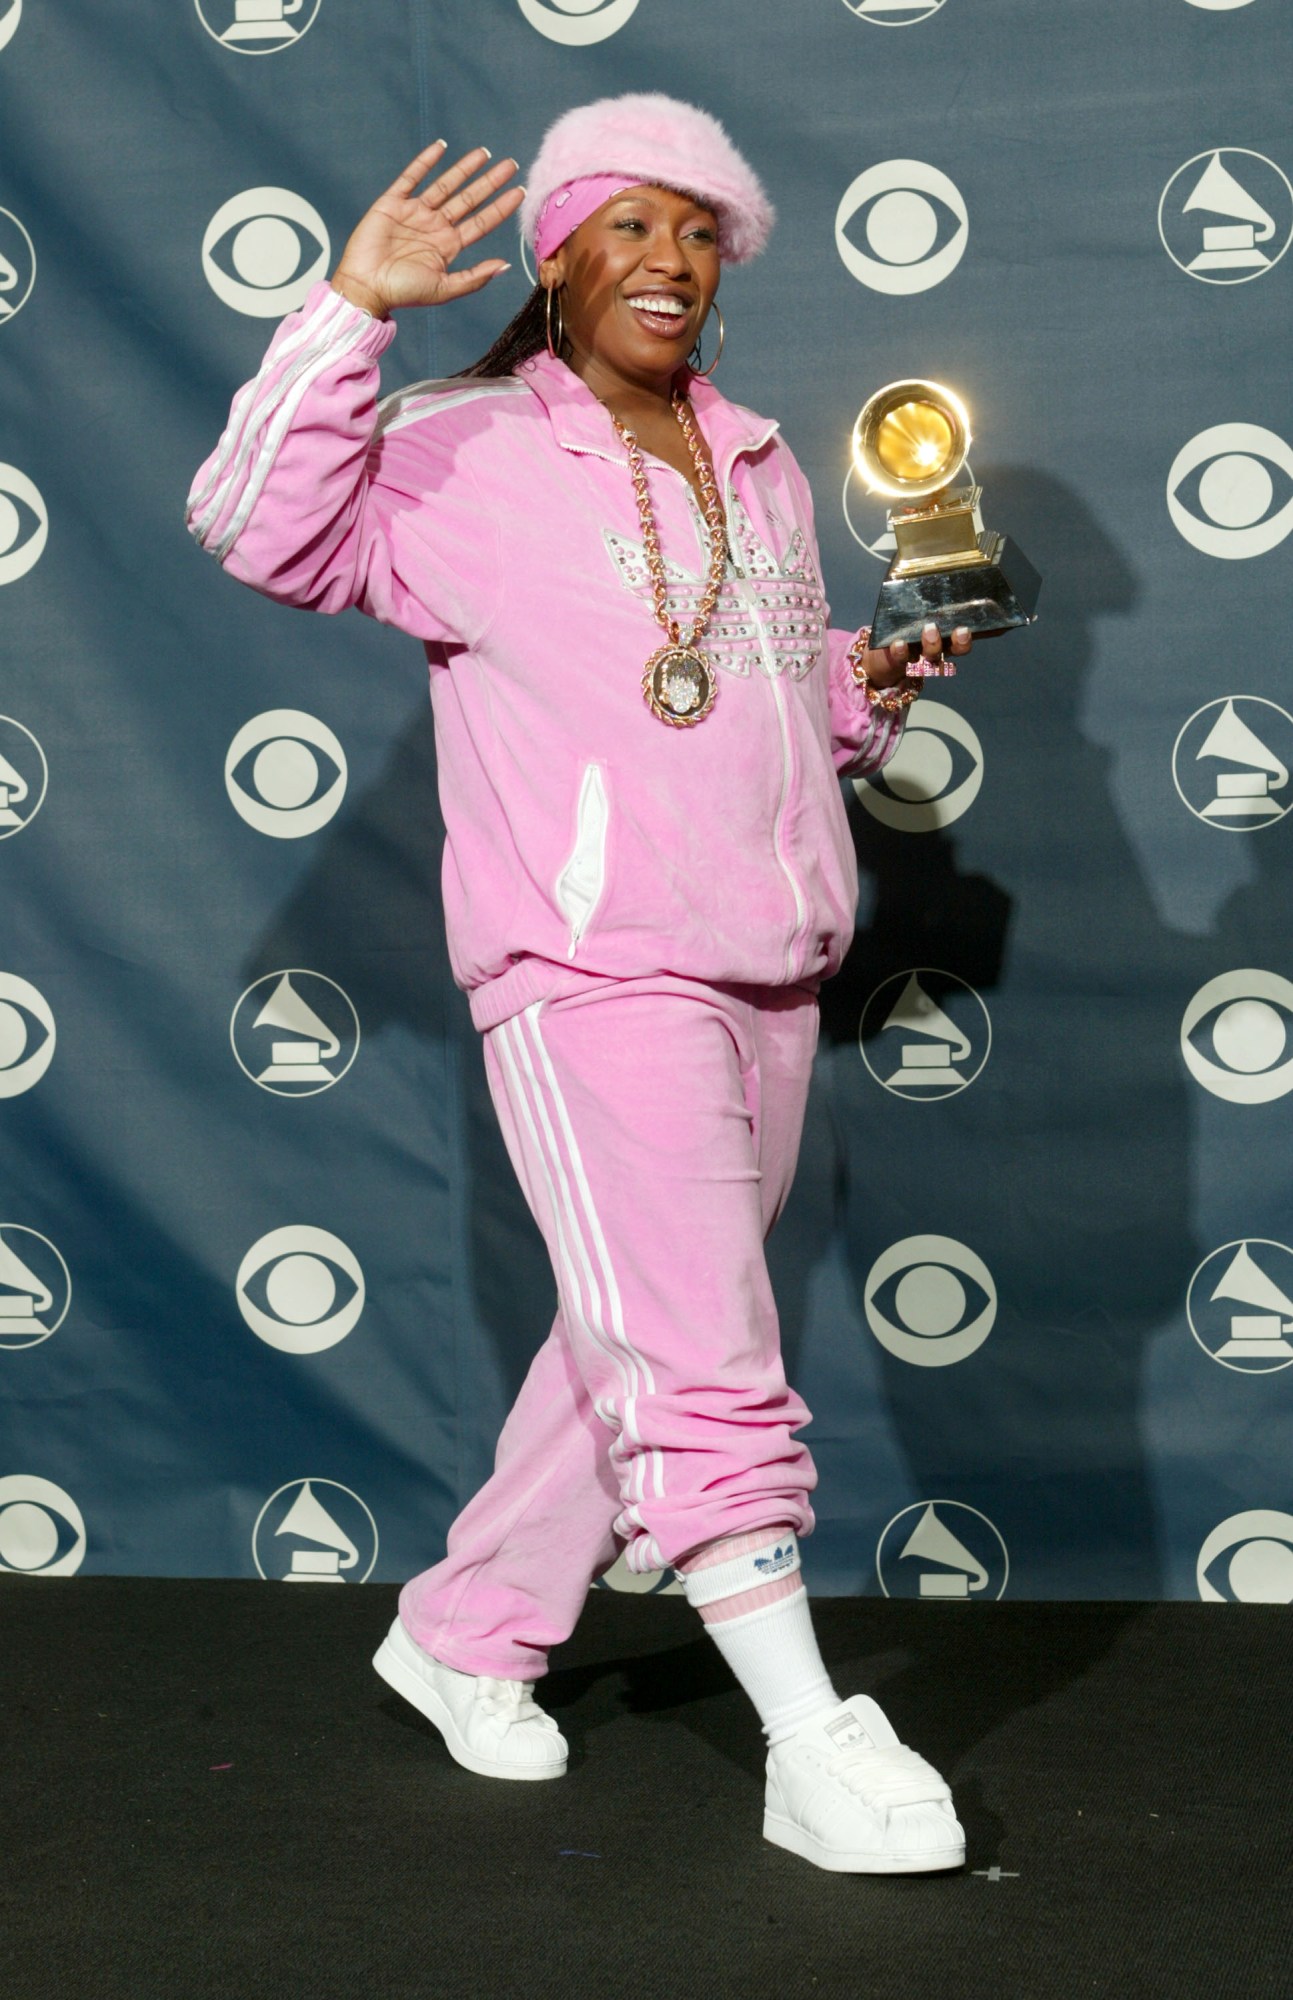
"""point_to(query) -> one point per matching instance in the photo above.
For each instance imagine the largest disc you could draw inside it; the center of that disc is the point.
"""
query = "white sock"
(773, 1653)
(749, 1591)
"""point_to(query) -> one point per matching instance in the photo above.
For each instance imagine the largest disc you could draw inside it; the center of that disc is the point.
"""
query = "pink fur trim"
(657, 141)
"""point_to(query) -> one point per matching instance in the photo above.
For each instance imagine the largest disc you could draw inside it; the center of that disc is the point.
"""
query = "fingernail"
(502, 268)
(931, 632)
(485, 150)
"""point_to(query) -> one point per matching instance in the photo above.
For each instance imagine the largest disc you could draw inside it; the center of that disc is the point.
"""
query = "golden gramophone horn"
(909, 443)
(910, 439)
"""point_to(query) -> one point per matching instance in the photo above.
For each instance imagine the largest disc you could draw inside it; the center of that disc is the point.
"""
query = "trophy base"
(988, 597)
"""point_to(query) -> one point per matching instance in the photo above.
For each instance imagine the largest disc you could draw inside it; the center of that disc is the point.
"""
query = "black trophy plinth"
(988, 597)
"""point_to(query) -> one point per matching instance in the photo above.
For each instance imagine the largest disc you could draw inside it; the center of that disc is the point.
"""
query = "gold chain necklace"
(679, 684)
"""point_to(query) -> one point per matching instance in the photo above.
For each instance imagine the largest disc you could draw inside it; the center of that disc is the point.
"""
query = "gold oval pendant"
(679, 686)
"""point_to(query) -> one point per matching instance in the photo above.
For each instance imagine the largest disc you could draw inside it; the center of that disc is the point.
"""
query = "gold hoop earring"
(722, 336)
(555, 352)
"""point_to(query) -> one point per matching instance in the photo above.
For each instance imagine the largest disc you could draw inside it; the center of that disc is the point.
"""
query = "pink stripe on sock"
(757, 1599)
(728, 1546)
(762, 1594)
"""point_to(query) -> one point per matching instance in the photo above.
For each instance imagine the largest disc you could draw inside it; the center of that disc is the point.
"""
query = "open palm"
(401, 252)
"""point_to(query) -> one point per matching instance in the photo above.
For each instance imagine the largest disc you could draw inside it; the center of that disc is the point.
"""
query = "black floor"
(206, 1791)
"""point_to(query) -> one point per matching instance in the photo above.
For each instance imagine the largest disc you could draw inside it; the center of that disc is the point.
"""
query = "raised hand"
(401, 251)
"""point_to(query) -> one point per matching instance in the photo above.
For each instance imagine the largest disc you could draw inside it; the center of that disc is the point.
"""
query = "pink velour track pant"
(655, 1125)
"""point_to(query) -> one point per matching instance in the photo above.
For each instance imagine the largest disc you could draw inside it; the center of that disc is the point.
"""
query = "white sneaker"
(494, 1728)
(843, 1792)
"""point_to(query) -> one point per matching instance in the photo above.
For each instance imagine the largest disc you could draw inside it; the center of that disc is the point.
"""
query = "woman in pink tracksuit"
(641, 716)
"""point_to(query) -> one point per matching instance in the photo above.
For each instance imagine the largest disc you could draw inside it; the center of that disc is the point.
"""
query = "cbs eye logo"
(263, 250)
(914, 223)
(1248, 1560)
(930, 1301)
(1234, 1036)
(17, 266)
(256, 27)
(285, 773)
(24, 777)
(35, 1287)
(300, 1289)
(933, 776)
(1227, 473)
(942, 1549)
(894, 13)
(577, 24)
(9, 20)
(27, 1035)
(24, 524)
(42, 1530)
(641, 1583)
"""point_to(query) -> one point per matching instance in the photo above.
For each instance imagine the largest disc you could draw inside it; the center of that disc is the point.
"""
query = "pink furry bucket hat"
(657, 141)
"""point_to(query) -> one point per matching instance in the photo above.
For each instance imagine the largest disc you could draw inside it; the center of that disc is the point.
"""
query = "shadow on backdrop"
(371, 902)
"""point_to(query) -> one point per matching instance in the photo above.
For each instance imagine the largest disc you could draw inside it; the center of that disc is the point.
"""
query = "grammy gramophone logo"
(1230, 763)
(924, 1034)
(295, 1032)
(1240, 1306)
(24, 776)
(257, 27)
(17, 266)
(942, 1549)
(1226, 216)
(35, 1287)
(314, 1531)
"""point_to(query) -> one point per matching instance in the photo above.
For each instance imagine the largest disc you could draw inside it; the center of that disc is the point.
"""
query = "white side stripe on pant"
(513, 1055)
(640, 1362)
(628, 1412)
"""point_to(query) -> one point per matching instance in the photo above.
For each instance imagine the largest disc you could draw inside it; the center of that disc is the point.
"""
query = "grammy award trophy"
(909, 442)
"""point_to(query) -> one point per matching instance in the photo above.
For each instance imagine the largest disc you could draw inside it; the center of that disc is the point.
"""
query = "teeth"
(673, 307)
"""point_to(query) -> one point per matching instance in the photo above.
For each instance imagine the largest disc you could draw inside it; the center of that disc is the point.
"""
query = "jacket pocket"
(581, 882)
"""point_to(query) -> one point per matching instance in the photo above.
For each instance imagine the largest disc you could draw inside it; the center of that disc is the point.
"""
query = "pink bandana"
(569, 206)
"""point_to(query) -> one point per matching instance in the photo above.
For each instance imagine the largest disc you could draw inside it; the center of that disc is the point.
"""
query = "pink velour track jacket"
(495, 520)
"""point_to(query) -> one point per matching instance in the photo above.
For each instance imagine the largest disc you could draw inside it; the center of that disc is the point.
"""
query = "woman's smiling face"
(639, 276)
